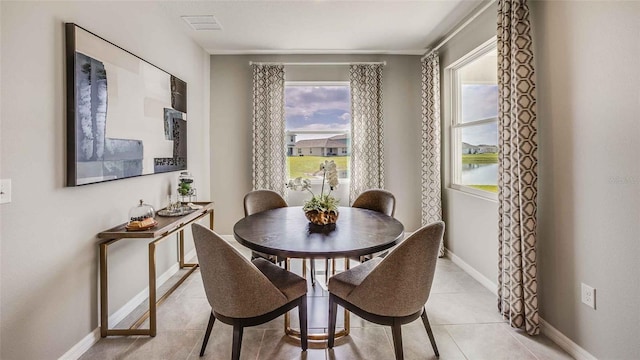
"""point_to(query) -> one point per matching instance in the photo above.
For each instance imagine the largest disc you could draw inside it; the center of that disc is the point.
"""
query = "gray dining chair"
(378, 200)
(262, 200)
(245, 293)
(258, 201)
(393, 290)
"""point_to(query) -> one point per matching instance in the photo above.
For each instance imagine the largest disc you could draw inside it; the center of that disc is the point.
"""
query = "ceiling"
(321, 27)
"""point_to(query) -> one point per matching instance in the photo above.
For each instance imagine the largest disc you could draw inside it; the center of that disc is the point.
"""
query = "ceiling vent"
(202, 22)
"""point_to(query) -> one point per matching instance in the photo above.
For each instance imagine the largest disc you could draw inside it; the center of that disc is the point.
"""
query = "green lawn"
(306, 166)
(489, 188)
(487, 158)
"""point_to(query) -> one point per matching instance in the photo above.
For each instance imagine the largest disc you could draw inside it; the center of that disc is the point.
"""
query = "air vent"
(202, 22)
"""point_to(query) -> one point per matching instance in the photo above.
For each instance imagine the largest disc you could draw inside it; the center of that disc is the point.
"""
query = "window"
(318, 122)
(474, 126)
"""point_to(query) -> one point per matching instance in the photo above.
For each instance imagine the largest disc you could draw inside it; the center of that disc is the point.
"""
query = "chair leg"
(302, 314)
(212, 319)
(333, 313)
(313, 272)
(326, 271)
(237, 341)
(427, 326)
(396, 331)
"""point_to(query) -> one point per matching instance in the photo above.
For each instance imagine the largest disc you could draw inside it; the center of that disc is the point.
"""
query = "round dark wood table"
(286, 232)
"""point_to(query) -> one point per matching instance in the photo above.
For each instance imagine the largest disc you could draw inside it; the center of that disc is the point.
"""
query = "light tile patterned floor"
(462, 312)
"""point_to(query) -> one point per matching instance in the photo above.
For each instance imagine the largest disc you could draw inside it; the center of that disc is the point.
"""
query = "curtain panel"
(517, 169)
(367, 144)
(269, 149)
(430, 164)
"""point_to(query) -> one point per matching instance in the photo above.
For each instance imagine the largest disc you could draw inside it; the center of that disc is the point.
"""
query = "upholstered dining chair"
(261, 200)
(378, 200)
(245, 293)
(392, 290)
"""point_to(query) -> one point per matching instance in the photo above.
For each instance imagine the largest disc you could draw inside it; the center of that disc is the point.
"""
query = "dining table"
(287, 233)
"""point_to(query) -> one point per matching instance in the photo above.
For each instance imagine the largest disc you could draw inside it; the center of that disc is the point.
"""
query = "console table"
(166, 226)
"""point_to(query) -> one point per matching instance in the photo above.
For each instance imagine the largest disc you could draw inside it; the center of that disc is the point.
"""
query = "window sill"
(485, 195)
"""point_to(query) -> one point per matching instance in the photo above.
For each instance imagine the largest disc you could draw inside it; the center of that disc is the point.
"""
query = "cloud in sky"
(317, 107)
(486, 134)
(479, 102)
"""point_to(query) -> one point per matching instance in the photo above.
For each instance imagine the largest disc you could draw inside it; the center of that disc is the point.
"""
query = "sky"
(480, 102)
(317, 108)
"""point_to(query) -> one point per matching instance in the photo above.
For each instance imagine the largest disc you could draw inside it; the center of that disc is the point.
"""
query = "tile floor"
(462, 313)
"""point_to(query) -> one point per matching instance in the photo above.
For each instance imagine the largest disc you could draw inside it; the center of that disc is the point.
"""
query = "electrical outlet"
(5, 191)
(588, 295)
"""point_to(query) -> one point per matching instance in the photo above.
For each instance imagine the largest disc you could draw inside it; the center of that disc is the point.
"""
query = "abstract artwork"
(125, 116)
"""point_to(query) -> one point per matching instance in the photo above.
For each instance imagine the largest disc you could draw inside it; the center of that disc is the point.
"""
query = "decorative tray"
(178, 212)
(141, 228)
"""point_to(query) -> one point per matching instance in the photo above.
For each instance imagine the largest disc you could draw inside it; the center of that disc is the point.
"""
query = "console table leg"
(152, 289)
(104, 294)
(181, 248)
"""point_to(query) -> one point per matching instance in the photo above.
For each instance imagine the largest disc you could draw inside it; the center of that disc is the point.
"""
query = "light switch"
(5, 191)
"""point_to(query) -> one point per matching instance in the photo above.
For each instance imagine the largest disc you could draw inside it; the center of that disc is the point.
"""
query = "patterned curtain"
(517, 169)
(269, 150)
(367, 153)
(431, 199)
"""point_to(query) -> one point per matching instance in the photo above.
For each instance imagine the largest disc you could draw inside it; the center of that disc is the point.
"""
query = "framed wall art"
(125, 116)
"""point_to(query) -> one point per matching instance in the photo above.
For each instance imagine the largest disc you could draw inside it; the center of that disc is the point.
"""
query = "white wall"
(231, 111)
(588, 78)
(49, 246)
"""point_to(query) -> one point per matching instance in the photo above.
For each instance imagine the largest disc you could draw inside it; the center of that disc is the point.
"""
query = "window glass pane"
(318, 121)
(475, 123)
(479, 156)
(478, 91)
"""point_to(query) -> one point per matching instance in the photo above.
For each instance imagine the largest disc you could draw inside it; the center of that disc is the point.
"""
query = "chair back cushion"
(377, 200)
(400, 284)
(262, 200)
(234, 286)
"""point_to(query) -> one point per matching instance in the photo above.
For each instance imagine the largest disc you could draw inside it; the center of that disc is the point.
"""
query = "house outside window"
(474, 123)
(318, 124)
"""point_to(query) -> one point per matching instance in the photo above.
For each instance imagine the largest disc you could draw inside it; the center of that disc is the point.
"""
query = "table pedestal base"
(295, 333)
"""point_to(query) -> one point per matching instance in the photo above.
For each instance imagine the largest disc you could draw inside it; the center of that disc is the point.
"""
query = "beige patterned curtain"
(269, 160)
(367, 153)
(431, 188)
(517, 169)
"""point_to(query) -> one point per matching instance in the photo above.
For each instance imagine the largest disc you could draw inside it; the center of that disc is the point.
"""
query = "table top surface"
(165, 224)
(286, 232)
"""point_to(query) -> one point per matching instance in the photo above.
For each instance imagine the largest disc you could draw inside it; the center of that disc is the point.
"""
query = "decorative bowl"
(322, 217)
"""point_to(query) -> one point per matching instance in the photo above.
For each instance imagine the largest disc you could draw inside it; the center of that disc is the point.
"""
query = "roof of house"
(332, 142)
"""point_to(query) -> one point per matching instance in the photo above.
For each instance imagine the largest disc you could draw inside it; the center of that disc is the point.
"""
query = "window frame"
(341, 181)
(456, 123)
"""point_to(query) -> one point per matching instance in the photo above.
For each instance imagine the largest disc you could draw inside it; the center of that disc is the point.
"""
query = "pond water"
(479, 174)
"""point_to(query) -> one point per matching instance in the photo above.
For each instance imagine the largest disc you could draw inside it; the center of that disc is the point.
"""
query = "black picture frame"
(125, 116)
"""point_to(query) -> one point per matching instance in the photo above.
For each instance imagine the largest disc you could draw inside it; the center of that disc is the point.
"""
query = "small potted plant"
(321, 209)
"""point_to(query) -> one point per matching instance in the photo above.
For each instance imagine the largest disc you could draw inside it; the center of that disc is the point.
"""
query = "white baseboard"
(564, 342)
(82, 346)
(85, 344)
(490, 285)
(549, 331)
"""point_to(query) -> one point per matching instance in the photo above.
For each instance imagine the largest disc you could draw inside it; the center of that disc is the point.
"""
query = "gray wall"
(588, 72)
(588, 88)
(231, 112)
(471, 220)
(49, 246)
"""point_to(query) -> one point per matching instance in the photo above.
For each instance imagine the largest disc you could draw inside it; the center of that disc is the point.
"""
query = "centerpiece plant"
(321, 209)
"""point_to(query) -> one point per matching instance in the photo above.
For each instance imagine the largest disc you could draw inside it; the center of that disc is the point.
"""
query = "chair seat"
(290, 284)
(343, 283)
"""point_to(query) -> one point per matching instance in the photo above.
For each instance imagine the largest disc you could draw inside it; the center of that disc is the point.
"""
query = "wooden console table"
(166, 226)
